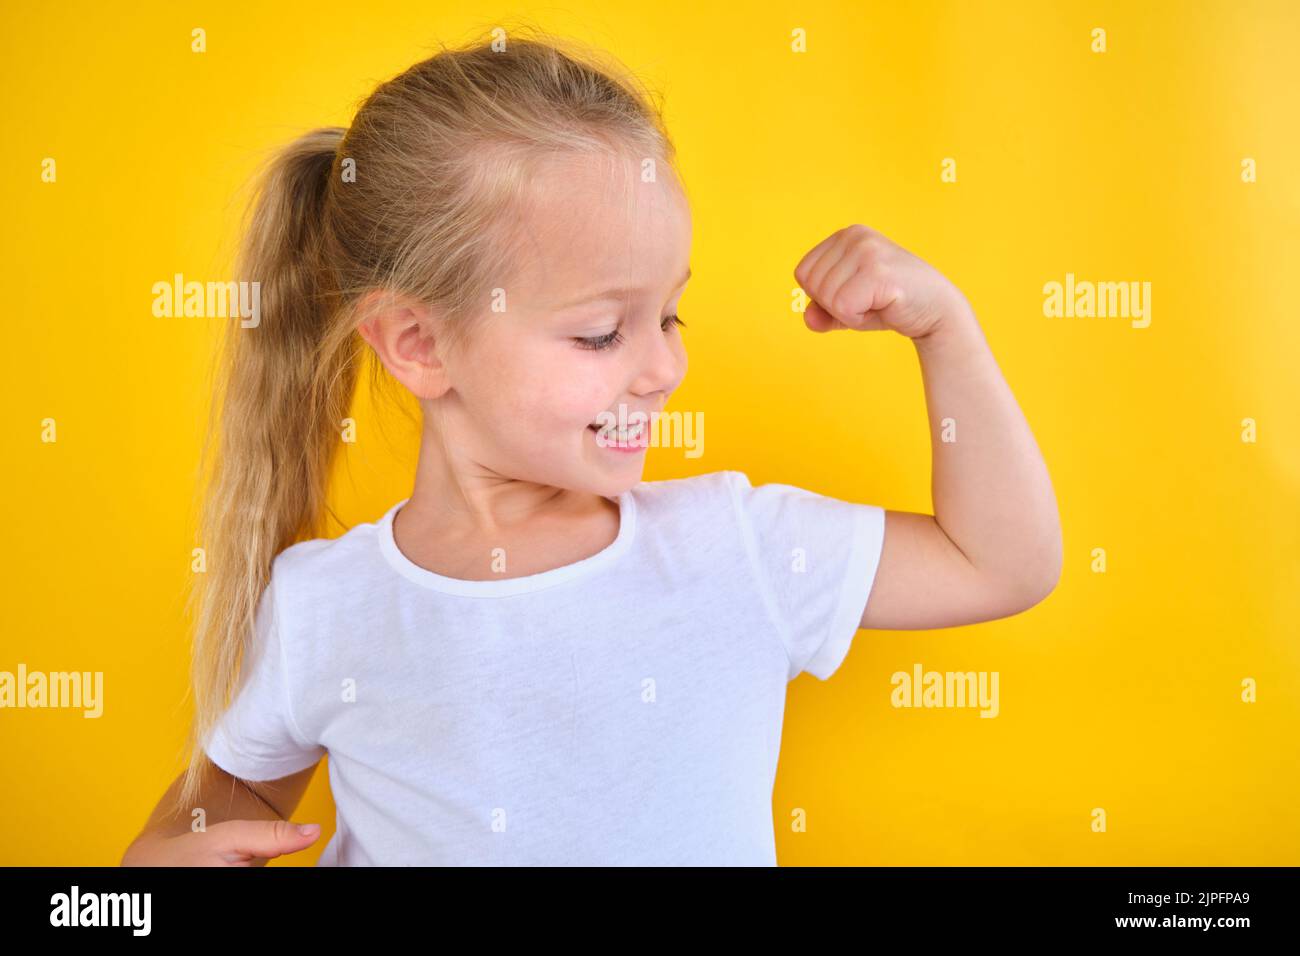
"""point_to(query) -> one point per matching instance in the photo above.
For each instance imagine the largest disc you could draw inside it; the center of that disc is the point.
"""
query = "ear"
(401, 330)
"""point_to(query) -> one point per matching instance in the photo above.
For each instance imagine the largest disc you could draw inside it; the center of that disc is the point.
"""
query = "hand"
(229, 843)
(858, 279)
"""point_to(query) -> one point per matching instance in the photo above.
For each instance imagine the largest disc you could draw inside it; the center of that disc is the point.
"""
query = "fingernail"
(309, 829)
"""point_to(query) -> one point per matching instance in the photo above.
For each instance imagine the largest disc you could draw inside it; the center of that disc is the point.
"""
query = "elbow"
(1043, 573)
(1039, 593)
(1025, 594)
(1030, 578)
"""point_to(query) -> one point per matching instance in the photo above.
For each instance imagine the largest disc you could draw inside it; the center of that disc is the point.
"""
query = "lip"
(634, 447)
(632, 415)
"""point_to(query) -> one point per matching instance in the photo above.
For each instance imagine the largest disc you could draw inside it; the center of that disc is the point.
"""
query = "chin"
(613, 486)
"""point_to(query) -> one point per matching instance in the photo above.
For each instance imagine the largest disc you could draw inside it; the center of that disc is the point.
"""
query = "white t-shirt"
(625, 709)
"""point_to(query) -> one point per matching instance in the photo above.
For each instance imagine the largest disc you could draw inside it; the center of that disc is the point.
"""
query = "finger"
(809, 261)
(819, 320)
(264, 839)
(869, 297)
(832, 255)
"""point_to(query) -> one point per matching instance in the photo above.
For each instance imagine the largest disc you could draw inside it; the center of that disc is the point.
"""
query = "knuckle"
(868, 241)
(842, 301)
(870, 248)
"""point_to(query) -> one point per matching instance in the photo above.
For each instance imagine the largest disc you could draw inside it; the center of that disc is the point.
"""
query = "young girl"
(537, 657)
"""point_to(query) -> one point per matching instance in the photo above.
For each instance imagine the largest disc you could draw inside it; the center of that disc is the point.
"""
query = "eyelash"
(602, 342)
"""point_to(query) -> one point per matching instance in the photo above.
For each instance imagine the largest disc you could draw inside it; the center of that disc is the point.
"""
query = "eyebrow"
(612, 294)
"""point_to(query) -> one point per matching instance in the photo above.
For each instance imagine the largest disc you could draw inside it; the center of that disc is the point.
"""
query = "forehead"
(591, 222)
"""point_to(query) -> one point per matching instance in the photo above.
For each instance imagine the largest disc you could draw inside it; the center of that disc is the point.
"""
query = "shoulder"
(731, 490)
(709, 491)
(320, 567)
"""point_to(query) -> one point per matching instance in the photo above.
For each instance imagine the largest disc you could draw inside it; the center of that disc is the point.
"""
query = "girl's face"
(583, 327)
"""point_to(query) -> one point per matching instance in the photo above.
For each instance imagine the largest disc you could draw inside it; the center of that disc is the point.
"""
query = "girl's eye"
(614, 338)
(600, 341)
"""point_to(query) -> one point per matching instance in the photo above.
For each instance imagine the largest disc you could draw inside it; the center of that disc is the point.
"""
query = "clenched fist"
(859, 279)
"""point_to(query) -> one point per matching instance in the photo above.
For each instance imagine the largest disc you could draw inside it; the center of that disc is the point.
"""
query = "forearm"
(991, 490)
(245, 823)
(221, 796)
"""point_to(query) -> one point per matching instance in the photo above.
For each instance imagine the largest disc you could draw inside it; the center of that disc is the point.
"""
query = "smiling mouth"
(610, 435)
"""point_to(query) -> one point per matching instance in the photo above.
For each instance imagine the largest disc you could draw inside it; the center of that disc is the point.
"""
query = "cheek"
(556, 393)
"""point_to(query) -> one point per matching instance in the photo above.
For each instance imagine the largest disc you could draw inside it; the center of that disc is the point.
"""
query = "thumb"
(819, 320)
(265, 839)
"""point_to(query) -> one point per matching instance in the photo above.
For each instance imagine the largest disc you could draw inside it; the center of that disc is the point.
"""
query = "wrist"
(958, 326)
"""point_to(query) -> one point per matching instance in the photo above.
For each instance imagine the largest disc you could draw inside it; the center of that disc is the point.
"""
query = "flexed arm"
(993, 546)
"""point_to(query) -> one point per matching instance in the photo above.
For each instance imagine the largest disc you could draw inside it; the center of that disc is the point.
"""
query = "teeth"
(632, 431)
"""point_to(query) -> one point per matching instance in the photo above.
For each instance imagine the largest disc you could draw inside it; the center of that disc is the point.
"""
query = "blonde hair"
(442, 154)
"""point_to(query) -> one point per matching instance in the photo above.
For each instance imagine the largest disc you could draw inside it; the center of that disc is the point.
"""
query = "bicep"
(924, 581)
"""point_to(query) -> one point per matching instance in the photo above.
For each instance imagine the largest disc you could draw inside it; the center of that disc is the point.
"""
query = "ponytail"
(283, 388)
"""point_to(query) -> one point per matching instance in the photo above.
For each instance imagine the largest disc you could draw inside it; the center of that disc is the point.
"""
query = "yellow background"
(1122, 691)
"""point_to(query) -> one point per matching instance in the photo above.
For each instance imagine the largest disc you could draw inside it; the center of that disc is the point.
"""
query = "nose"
(661, 364)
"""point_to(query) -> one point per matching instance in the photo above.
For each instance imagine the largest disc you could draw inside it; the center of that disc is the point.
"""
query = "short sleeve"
(815, 560)
(257, 738)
